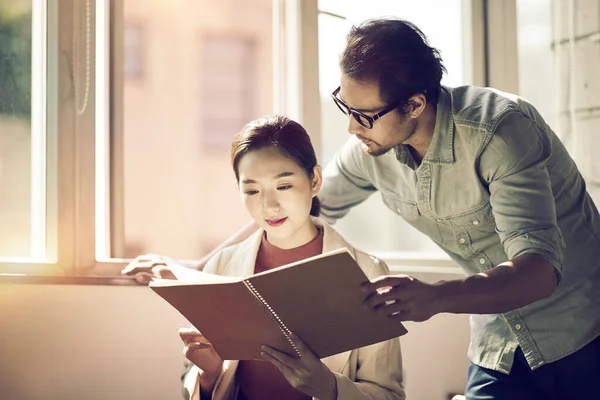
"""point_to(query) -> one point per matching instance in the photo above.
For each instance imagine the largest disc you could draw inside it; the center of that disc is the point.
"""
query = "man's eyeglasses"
(362, 118)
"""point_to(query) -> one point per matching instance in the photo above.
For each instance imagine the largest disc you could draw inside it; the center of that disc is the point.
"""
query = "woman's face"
(278, 194)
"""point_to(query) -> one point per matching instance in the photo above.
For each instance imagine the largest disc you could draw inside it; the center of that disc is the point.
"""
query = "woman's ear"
(317, 180)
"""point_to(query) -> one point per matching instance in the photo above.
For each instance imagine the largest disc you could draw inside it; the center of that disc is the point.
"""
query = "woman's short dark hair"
(396, 55)
(288, 136)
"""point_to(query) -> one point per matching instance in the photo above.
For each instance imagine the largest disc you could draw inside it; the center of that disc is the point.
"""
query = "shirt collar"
(441, 148)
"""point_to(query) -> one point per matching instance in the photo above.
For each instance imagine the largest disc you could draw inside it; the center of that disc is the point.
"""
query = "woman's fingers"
(163, 272)
(143, 263)
(191, 335)
(190, 348)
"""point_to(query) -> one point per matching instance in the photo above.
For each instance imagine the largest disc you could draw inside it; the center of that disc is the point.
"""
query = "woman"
(278, 177)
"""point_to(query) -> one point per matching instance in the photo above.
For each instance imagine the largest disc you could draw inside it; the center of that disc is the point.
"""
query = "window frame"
(475, 72)
(205, 93)
(78, 149)
(502, 52)
(68, 93)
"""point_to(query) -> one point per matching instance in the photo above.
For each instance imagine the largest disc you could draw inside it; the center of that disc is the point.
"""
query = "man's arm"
(506, 287)
(346, 181)
(514, 164)
(514, 167)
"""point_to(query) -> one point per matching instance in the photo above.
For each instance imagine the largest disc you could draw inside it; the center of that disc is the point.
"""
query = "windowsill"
(108, 272)
(68, 280)
(422, 263)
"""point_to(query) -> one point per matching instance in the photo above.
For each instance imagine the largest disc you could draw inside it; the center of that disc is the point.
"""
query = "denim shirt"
(495, 183)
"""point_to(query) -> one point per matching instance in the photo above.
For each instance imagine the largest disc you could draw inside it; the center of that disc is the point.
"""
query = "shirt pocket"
(475, 230)
(405, 208)
(475, 218)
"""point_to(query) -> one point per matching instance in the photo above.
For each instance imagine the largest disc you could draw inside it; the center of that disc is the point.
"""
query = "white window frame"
(78, 82)
(309, 113)
(44, 223)
(502, 51)
(295, 48)
(290, 97)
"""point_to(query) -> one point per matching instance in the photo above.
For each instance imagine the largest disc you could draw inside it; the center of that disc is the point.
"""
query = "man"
(482, 174)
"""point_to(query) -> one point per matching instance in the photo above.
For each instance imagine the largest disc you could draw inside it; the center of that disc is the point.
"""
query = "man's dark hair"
(396, 55)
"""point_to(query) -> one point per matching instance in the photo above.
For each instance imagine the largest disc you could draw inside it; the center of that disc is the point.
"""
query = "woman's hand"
(148, 266)
(307, 374)
(201, 353)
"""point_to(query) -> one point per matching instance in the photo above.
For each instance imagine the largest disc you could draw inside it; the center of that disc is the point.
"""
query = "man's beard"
(381, 150)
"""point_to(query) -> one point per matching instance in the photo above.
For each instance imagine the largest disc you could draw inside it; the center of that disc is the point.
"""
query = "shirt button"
(462, 240)
(475, 222)
(399, 211)
(482, 261)
(439, 220)
(518, 327)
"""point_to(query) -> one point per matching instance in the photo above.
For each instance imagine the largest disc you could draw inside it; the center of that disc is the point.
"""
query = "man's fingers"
(385, 283)
(393, 308)
(378, 299)
(402, 316)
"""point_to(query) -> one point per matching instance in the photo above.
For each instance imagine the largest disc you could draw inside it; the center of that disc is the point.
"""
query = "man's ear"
(317, 180)
(416, 105)
(237, 184)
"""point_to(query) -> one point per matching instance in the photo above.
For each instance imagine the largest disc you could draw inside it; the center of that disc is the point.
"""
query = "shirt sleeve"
(514, 164)
(345, 182)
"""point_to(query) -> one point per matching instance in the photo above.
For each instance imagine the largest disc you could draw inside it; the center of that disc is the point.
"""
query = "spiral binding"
(272, 314)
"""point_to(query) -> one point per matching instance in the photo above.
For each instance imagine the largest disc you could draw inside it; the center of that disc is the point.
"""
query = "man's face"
(388, 131)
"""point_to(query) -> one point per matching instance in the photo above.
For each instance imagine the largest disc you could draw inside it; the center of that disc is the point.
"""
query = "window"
(364, 225)
(15, 125)
(25, 170)
(229, 89)
(102, 148)
(133, 38)
(207, 71)
(558, 53)
(114, 133)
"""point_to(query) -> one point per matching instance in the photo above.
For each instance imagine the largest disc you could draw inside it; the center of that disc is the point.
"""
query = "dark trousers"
(575, 377)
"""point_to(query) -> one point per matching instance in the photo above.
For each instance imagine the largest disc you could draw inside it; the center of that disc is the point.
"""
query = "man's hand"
(201, 353)
(404, 298)
(148, 266)
(307, 374)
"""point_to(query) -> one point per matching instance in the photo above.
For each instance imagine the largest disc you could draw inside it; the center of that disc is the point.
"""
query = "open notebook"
(320, 299)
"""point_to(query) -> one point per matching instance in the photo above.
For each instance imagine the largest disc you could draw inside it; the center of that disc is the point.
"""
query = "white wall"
(63, 342)
(67, 342)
